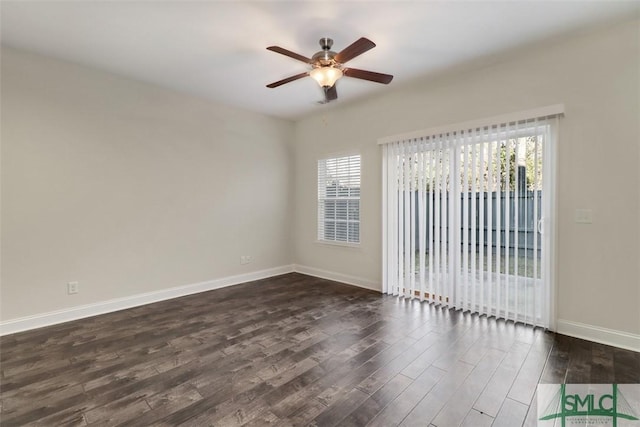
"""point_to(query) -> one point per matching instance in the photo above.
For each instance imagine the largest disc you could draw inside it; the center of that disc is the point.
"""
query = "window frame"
(321, 214)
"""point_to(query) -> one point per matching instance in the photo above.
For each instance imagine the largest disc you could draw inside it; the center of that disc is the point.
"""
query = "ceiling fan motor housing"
(324, 57)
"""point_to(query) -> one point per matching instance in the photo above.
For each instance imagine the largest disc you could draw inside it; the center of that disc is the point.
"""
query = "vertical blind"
(339, 199)
(463, 216)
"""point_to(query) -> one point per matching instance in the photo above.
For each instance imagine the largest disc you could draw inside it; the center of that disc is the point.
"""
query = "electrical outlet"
(245, 259)
(72, 287)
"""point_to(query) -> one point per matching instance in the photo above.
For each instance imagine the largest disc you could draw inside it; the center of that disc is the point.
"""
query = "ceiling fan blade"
(368, 75)
(287, 80)
(356, 48)
(290, 54)
(330, 93)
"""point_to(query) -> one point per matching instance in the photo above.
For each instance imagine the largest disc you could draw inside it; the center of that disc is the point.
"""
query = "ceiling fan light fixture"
(327, 66)
(326, 76)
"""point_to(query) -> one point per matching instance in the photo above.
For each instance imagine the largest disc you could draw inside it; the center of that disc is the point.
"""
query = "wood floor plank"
(494, 394)
(459, 406)
(307, 411)
(398, 409)
(555, 370)
(339, 409)
(118, 411)
(393, 360)
(579, 367)
(438, 345)
(530, 372)
(626, 366)
(531, 420)
(299, 350)
(477, 419)
(602, 363)
(512, 413)
(373, 405)
(427, 409)
(165, 403)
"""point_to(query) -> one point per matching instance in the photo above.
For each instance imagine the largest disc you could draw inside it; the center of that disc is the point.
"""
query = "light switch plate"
(584, 216)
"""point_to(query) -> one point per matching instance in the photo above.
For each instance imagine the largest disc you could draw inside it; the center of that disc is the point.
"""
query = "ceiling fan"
(328, 66)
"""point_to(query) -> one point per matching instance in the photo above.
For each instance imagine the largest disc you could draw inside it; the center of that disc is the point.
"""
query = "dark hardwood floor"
(287, 351)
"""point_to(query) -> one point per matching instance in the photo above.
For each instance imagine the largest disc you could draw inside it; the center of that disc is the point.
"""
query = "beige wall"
(596, 76)
(128, 188)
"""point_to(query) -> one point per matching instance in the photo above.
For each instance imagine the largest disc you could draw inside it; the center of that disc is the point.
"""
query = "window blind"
(463, 216)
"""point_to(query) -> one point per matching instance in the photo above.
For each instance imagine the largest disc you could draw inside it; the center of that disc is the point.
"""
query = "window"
(339, 199)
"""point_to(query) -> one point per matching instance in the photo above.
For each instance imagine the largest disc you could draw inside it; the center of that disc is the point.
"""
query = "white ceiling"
(216, 49)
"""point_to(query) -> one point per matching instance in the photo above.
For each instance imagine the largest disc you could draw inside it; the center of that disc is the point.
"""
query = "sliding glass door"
(464, 219)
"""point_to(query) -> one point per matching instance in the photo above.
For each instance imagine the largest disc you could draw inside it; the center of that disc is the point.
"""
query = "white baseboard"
(338, 277)
(600, 335)
(89, 310)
